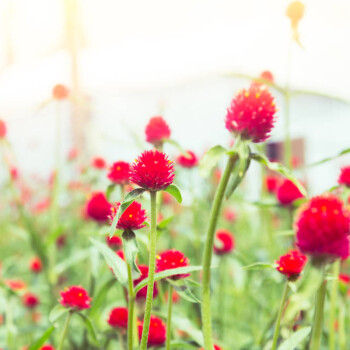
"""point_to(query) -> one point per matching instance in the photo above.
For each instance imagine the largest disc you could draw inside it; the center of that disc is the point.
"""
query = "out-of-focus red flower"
(47, 347)
(119, 173)
(99, 163)
(230, 215)
(322, 228)
(133, 217)
(141, 294)
(15, 284)
(172, 259)
(271, 183)
(60, 92)
(175, 297)
(98, 208)
(152, 170)
(216, 347)
(167, 198)
(267, 75)
(14, 173)
(295, 12)
(114, 242)
(157, 130)
(61, 241)
(75, 297)
(30, 300)
(41, 206)
(344, 176)
(118, 318)
(291, 264)
(2, 129)
(121, 255)
(73, 154)
(157, 332)
(288, 192)
(344, 278)
(189, 160)
(225, 242)
(252, 114)
(36, 265)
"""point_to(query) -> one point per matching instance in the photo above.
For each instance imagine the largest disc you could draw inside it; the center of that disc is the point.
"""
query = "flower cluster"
(157, 332)
(118, 318)
(141, 294)
(188, 160)
(344, 176)
(291, 264)
(172, 259)
(30, 300)
(75, 297)
(119, 173)
(133, 218)
(60, 92)
(157, 130)
(98, 208)
(114, 242)
(224, 242)
(287, 192)
(35, 265)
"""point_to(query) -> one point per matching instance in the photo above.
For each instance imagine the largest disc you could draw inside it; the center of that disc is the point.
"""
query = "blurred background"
(126, 61)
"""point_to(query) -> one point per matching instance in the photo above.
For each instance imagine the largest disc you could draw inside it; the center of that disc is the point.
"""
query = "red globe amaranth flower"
(344, 278)
(15, 284)
(98, 208)
(225, 242)
(295, 12)
(152, 170)
(61, 241)
(252, 114)
(60, 92)
(133, 217)
(157, 130)
(119, 173)
(30, 300)
(172, 259)
(287, 192)
(99, 163)
(344, 177)
(157, 332)
(14, 173)
(75, 297)
(36, 265)
(141, 294)
(2, 129)
(47, 347)
(114, 242)
(272, 183)
(291, 264)
(267, 75)
(189, 160)
(230, 215)
(322, 228)
(121, 255)
(118, 318)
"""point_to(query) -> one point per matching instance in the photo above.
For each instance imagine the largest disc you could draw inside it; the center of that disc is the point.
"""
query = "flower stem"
(279, 316)
(152, 265)
(208, 252)
(65, 330)
(342, 334)
(168, 324)
(334, 292)
(318, 320)
(131, 304)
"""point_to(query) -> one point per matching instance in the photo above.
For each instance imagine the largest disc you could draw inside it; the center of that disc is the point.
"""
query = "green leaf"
(258, 266)
(175, 192)
(57, 312)
(210, 160)
(100, 297)
(164, 223)
(41, 341)
(110, 190)
(129, 198)
(279, 168)
(325, 160)
(130, 249)
(295, 339)
(184, 290)
(181, 344)
(117, 264)
(89, 327)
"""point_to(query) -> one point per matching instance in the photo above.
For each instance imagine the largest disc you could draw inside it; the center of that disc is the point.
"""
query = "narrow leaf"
(110, 190)
(57, 312)
(295, 339)
(89, 327)
(258, 266)
(164, 223)
(184, 290)
(210, 160)
(325, 160)
(175, 192)
(130, 249)
(41, 341)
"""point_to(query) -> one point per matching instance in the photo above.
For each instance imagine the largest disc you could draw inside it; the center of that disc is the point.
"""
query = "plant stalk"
(332, 314)
(168, 324)
(65, 330)
(131, 304)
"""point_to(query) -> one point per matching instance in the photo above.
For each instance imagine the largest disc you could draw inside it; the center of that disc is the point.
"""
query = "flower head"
(119, 173)
(172, 259)
(295, 12)
(47, 347)
(152, 170)
(344, 177)
(291, 264)
(157, 331)
(30, 300)
(99, 163)
(2, 129)
(118, 318)
(322, 228)
(272, 183)
(114, 242)
(157, 130)
(287, 192)
(267, 75)
(230, 215)
(252, 114)
(36, 265)
(188, 160)
(98, 208)
(60, 92)
(133, 217)
(141, 294)
(225, 242)
(75, 297)
(15, 284)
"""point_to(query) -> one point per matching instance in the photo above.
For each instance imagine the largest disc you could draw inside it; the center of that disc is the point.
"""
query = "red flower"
(157, 130)
(175, 297)
(252, 114)
(114, 242)
(2, 129)
(287, 192)
(98, 208)
(344, 278)
(225, 242)
(291, 264)
(118, 318)
(295, 12)
(47, 347)
(36, 265)
(121, 255)
(157, 332)
(272, 183)
(230, 215)
(189, 160)
(172, 259)
(99, 163)
(72, 154)
(267, 75)
(323, 227)
(75, 297)
(141, 294)
(15, 284)
(119, 173)
(152, 170)
(133, 217)
(30, 300)
(216, 347)
(344, 177)
(60, 92)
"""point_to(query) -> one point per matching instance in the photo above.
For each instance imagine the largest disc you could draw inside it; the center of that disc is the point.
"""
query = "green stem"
(121, 341)
(152, 265)
(318, 319)
(168, 324)
(65, 330)
(131, 304)
(334, 293)
(342, 334)
(208, 252)
(279, 316)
